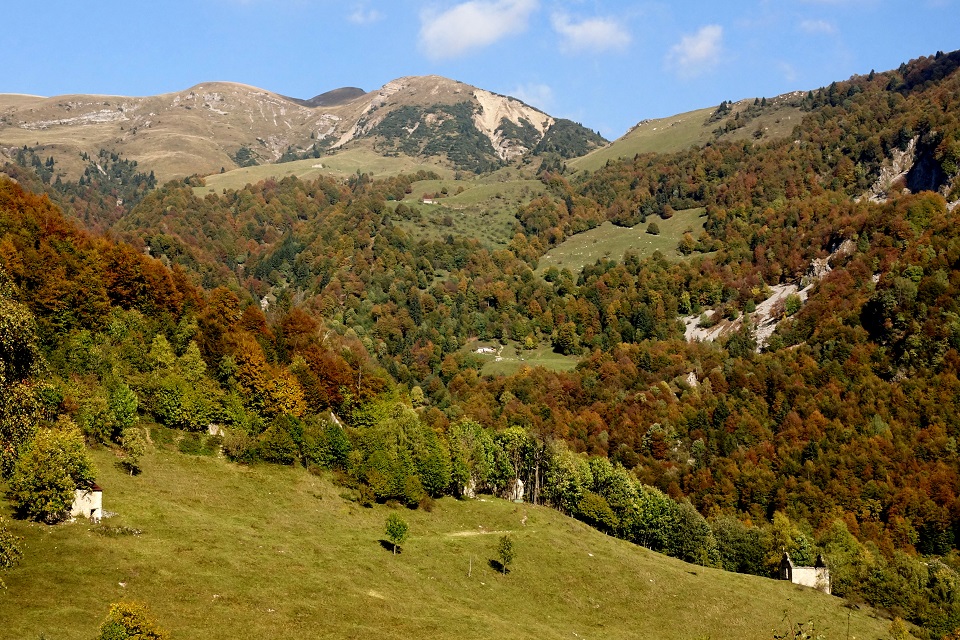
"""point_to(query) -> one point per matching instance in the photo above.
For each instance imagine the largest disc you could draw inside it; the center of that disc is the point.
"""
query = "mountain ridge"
(223, 125)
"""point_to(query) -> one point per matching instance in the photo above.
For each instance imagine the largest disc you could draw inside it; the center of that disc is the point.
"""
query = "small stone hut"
(88, 503)
(817, 576)
(515, 491)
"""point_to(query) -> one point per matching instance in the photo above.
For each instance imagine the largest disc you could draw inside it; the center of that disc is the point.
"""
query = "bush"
(325, 444)
(129, 621)
(190, 444)
(792, 304)
(653, 229)
(134, 445)
(277, 444)
(397, 530)
(505, 552)
(47, 474)
(10, 551)
(595, 511)
(161, 435)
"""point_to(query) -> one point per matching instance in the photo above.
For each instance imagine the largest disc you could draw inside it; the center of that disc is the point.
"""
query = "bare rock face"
(894, 173)
(909, 171)
(494, 109)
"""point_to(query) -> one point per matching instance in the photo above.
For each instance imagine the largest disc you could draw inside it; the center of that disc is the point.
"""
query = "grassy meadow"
(482, 207)
(694, 128)
(341, 164)
(510, 358)
(222, 551)
(611, 241)
(661, 135)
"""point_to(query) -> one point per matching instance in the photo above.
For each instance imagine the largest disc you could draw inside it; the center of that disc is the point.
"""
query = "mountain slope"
(222, 125)
(746, 119)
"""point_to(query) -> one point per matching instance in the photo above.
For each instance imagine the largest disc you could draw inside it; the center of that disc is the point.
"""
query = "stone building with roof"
(817, 576)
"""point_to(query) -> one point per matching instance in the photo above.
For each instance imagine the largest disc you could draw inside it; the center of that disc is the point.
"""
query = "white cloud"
(698, 52)
(788, 71)
(365, 16)
(595, 34)
(536, 95)
(817, 26)
(472, 25)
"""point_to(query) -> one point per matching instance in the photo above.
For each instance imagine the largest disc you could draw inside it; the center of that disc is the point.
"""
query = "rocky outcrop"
(771, 311)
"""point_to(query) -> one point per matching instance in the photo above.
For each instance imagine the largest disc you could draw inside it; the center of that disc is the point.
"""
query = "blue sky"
(604, 64)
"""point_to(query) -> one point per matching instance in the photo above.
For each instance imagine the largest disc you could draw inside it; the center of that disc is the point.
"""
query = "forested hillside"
(285, 309)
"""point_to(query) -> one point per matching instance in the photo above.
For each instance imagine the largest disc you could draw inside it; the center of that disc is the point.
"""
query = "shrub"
(190, 444)
(239, 446)
(397, 530)
(47, 474)
(505, 552)
(792, 304)
(10, 551)
(134, 445)
(129, 621)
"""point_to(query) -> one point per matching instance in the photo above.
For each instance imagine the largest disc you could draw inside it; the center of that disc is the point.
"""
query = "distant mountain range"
(223, 125)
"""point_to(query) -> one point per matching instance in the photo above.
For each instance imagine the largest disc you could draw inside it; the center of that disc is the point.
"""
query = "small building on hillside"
(515, 491)
(817, 576)
(88, 503)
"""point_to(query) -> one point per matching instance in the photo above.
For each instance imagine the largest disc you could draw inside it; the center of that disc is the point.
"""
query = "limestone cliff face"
(494, 109)
(911, 170)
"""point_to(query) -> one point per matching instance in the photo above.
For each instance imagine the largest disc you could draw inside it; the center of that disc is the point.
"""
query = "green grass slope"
(270, 552)
(482, 207)
(509, 358)
(341, 164)
(661, 135)
(776, 119)
(611, 241)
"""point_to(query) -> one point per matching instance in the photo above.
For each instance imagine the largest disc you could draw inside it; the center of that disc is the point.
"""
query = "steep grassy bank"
(271, 552)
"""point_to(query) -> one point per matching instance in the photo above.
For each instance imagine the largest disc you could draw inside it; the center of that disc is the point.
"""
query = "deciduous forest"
(311, 327)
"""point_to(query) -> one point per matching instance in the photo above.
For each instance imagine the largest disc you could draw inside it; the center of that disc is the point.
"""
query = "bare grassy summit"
(224, 125)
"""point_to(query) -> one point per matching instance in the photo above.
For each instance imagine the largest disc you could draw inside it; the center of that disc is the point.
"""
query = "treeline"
(108, 188)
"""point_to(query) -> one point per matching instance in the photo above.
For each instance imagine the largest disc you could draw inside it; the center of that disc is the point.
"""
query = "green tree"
(20, 413)
(10, 551)
(653, 524)
(849, 562)
(653, 229)
(123, 408)
(130, 621)
(792, 304)
(134, 445)
(898, 629)
(567, 477)
(566, 340)
(397, 530)
(511, 444)
(46, 475)
(505, 552)
(691, 539)
(471, 454)
(741, 548)
(161, 353)
(19, 362)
